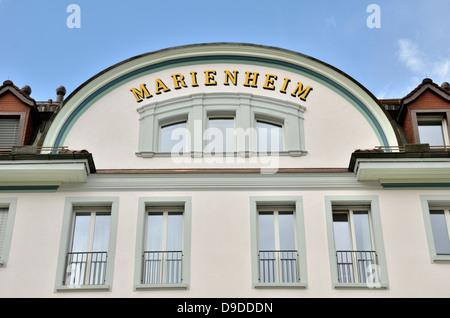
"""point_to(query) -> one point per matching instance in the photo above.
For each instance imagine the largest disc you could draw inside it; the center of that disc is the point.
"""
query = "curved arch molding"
(96, 87)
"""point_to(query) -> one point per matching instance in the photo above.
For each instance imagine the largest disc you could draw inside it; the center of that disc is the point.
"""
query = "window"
(436, 213)
(440, 221)
(163, 254)
(355, 242)
(163, 243)
(220, 135)
(278, 242)
(220, 123)
(433, 130)
(10, 130)
(278, 256)
(270, 136)
(88, 239)
(173, 137)
(7, 215)
(87, 256)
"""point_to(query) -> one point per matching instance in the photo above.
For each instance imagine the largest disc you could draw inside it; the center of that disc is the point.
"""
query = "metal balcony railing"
(356, 266)
(162, 267)
(278, 266)
(86, 268)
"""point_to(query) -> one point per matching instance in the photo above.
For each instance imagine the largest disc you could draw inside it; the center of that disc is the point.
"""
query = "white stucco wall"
(220, 247)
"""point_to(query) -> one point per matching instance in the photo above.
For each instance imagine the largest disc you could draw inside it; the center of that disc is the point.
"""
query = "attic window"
(10, 134)
(433, 130)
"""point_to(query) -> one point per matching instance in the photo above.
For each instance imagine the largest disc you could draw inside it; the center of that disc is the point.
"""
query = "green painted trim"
(11, 204)
(27, 189)
(66, 233)
(300, 233)
(144, 202)
(372, 200)
(428, 201)
(416, 186)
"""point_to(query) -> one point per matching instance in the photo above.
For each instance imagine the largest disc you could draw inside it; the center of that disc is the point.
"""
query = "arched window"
(172, 137)
(270, 136)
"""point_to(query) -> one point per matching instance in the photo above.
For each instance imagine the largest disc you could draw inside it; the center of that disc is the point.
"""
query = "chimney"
(27, 90)
(60, 92)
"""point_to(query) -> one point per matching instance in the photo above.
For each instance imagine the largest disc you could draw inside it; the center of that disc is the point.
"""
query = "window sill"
(76, 288)
(160, 286)
(240, 154)
(441, 259)
(360, 286)
(279, 285)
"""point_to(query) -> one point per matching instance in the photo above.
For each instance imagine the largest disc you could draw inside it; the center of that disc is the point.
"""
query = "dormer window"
(433, 130)
(431, 127)
(10, 130)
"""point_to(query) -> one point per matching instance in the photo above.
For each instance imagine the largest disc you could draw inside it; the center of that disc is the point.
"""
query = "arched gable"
(253, 72)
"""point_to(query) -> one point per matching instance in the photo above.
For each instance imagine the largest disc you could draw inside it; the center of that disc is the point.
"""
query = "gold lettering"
(160, 85)
(285, 84)
(269, 84)
(194, 79)
(302, 93)
(209, 80)
(251, 77)
(232, 77)
(177, 80)
(141, 94)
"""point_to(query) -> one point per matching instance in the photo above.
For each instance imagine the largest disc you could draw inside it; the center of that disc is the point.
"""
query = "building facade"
(224, 170)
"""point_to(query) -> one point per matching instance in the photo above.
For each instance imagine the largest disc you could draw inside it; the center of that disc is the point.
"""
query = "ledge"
(403, 169)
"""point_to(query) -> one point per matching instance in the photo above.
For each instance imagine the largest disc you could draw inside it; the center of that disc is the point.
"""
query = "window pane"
(175, 231)
(220, 134)
(270, 136)
(440, 233)
(362, 231)
(80, 241)
(431, 133)
(101, 232)
(173, 138)
(341, 232)
(287, 234)
(154, 232)
(266, 231)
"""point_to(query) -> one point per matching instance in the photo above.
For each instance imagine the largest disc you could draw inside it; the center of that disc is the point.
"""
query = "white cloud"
(423, 65)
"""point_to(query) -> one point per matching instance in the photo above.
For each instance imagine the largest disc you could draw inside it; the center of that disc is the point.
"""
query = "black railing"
(356, 266)
(86, 268)
(278, 266)
(162, 267)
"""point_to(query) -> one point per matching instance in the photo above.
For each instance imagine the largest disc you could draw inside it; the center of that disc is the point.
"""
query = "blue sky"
(40, 50)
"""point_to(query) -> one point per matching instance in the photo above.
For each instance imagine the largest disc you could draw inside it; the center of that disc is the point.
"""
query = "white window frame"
(170, 123)
(275, 210)
(379, 272)
(71, 205)
(206, 135)
(11, 205)
(434, 202)
(260, 203)
(349, 211)
(270, 121)
(165, 211)
(169, 203)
